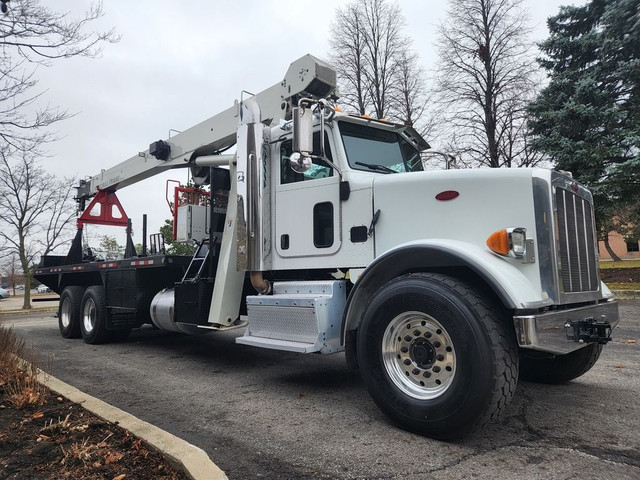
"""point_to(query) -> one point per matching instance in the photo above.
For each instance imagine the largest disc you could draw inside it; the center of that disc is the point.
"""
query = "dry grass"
(18, 378)
(623, 285)
(61, 427)
(83, 451)
(86, 452)
(622, 264)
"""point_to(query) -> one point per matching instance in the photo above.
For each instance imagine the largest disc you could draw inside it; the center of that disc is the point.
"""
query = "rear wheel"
(69, 311)
(94, 316)
(436, 356)
(559, 368)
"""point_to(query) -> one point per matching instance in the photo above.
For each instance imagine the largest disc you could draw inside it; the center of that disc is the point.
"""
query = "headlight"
(509, 242)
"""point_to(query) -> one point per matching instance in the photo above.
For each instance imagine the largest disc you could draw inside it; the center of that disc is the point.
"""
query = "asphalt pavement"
(268, 414)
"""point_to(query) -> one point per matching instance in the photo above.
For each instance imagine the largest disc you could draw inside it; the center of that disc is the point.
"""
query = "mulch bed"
(620, 275)
(60, 440)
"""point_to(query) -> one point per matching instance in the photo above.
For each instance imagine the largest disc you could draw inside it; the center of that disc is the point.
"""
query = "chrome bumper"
(553, 332)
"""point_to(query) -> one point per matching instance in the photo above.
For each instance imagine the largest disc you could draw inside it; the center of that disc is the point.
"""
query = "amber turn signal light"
(509, 242)
(498, 242)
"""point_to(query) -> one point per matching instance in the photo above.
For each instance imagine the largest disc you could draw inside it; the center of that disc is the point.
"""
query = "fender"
(510, 285)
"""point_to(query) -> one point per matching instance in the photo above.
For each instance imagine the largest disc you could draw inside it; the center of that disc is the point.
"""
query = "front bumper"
(559, 332)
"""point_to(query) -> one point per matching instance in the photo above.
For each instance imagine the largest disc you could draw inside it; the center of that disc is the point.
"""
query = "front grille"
(576, 243)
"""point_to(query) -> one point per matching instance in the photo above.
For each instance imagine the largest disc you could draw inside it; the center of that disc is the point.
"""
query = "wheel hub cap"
(418, 355)
(65, 313)
(422, 353)
(89, 316)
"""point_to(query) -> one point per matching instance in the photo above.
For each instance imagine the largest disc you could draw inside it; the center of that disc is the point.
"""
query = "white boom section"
(307, 76)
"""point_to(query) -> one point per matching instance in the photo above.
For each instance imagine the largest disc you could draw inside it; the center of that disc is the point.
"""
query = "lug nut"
(416, 371)
(408, 338)
(436, 369)
(437, 344)
(404, 349)
(427, 334)
(407, 362)
(416, 333)
(426, 374)
(440, 358)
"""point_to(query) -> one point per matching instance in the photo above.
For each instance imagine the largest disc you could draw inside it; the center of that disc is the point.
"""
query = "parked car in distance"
(4, 293)
(19, 287)
(43, 289)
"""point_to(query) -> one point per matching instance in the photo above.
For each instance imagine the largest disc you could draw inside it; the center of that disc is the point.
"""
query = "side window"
(318, 169)
(323, 225)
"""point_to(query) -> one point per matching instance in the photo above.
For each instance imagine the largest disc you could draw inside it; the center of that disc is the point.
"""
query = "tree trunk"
(610, 251)
(26, 304)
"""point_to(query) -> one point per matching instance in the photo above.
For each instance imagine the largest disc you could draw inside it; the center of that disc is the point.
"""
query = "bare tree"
(384, 48)
(409, 97)
(376, 66)
(32, 35)
(348, 54)
(11, 271)
(486, 76)
(37, 211)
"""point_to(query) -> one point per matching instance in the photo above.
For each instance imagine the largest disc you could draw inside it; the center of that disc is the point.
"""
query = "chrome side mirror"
(299, 162)
(303, 130)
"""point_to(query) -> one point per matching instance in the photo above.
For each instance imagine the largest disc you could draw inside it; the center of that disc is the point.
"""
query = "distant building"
(625, 248)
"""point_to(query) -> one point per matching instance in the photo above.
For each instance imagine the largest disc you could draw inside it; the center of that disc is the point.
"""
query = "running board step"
(273, 344)
(302, 317)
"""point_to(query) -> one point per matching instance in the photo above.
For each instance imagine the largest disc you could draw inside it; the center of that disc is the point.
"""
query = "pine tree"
(588, 118)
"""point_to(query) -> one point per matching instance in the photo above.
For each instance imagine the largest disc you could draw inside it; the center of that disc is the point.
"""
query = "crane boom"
(307, 76)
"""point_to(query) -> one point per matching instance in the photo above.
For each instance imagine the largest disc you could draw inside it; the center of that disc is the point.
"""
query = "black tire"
(93, 323)
(69, 316)
(559, 368)
(460, 366)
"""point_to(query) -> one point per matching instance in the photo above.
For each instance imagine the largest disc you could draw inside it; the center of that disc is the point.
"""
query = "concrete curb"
(191, 460)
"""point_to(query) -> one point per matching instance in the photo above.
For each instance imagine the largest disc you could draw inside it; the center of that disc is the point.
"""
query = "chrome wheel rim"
(418, 355)
(89, 315)
(65, 313)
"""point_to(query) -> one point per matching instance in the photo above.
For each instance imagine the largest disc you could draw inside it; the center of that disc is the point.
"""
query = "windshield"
(373, 149)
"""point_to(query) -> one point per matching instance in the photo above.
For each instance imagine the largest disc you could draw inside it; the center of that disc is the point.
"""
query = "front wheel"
(560, 368)
(436, 356)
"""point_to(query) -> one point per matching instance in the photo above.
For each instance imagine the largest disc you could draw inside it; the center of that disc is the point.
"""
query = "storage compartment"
(302, 317)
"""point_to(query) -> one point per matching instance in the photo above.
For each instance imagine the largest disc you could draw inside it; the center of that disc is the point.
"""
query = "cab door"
(307, 217)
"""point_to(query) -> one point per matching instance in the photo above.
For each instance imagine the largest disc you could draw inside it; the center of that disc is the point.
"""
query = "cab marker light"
(509, 242)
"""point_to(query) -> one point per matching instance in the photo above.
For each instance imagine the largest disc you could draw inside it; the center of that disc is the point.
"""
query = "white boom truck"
(443, 287)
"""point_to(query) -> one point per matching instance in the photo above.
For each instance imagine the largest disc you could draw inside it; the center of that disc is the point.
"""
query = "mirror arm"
(329, 162)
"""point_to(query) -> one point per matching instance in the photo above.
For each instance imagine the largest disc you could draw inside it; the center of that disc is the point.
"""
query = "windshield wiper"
(373, 166)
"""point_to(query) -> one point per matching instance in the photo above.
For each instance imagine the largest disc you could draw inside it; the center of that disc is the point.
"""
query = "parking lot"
(269, 414)
(14, 302)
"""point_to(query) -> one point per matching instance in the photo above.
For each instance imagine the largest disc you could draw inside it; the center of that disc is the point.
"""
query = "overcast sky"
(180, 62)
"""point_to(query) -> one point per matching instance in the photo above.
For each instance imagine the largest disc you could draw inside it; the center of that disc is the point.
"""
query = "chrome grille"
(578, 266)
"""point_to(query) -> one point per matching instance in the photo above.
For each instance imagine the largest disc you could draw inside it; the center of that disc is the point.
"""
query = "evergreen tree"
(588, 118)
